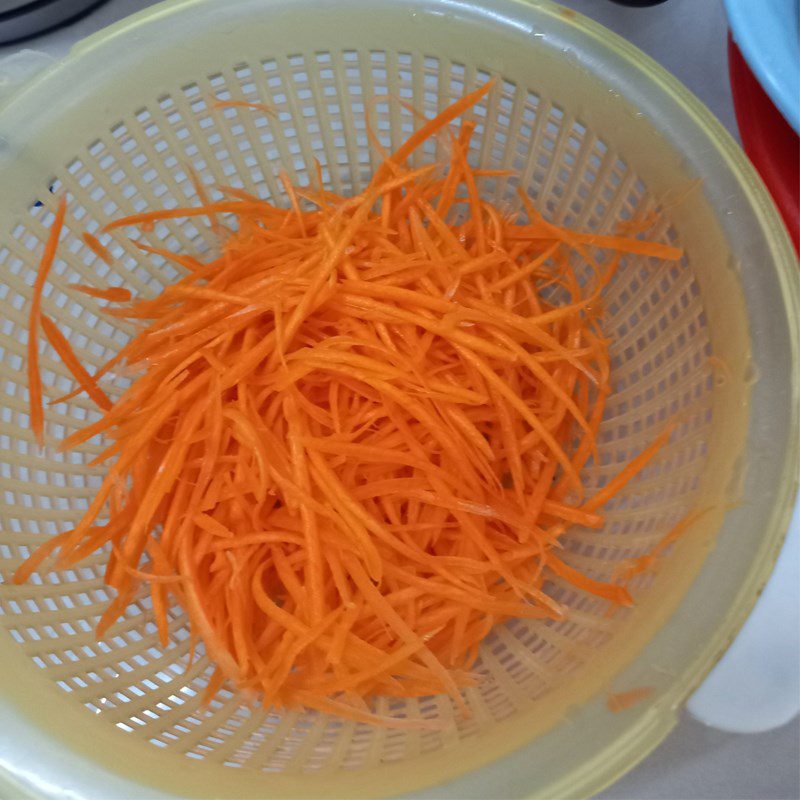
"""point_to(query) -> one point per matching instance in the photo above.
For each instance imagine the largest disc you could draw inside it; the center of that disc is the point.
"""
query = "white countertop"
(688, 37)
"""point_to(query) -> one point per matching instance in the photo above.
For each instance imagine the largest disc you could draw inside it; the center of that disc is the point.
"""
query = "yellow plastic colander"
(597, 133)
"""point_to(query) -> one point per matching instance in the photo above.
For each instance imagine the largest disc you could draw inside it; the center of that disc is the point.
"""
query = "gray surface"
(700, 763)
(688, 37)
(695, 762)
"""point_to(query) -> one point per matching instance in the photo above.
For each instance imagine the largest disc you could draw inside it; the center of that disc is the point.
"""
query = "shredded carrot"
(114, 294)
(244, 104)
(97, 247)
(621, 701)
(34, 319)
(71, 362)
(648, 562)
(355, 436)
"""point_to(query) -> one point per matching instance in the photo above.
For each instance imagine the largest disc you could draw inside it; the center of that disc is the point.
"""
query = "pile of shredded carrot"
(355, 437)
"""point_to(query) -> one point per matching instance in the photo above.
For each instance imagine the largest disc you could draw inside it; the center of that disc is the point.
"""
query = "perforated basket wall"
(135, 155)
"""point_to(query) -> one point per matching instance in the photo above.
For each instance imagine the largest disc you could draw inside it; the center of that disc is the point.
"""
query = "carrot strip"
(67, 355)
(631, 470)
(98, 248)
(635, 566)
(220, 104)
(432, 126)
(114, 294)
(34, 318)
(622, 701)
(608, 591)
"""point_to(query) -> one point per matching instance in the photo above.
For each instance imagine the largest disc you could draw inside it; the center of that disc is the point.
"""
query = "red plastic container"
(768, 139)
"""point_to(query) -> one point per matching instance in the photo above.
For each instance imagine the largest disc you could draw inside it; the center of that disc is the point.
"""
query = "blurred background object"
(764, 64)
(767, 32)
(638, 2)
(21, 19)
(769, 141)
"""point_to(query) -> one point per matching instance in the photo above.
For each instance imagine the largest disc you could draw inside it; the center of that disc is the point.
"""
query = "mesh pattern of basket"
(597, 135)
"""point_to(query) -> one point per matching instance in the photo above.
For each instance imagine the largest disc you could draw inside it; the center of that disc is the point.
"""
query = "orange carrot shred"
(635, 566)
(621, 701)
(71, 362)
(34, 378)
(244, 104)
(114, 294)
(98, 248)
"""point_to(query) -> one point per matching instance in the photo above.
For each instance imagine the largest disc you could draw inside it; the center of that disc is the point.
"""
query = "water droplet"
(751, 373)
(734, 489)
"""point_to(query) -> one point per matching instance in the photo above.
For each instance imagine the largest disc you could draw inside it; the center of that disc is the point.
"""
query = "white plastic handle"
(756, 685)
